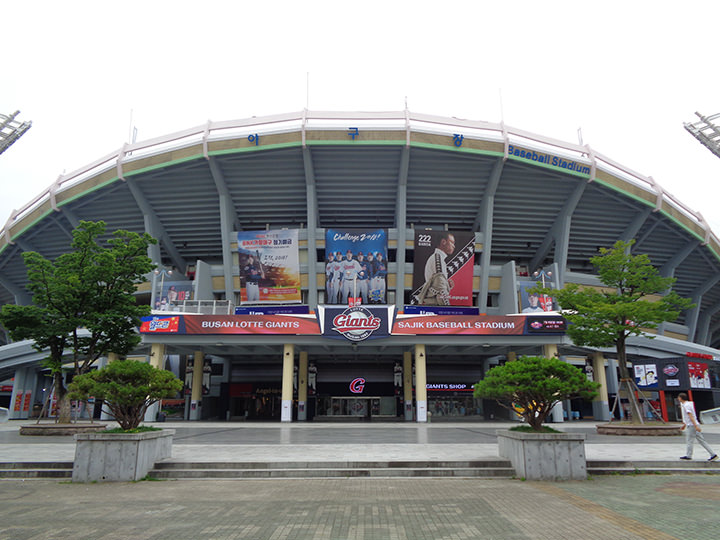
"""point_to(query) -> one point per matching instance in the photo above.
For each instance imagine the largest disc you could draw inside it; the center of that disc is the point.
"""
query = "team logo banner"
(356, 266)
(269, 267)
(443, 274)
(356, 323)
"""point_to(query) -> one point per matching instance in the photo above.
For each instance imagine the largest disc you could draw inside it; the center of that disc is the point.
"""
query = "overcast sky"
(627, 73)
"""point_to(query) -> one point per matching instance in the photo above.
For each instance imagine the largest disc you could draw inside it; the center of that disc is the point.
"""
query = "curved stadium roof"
(449, 172)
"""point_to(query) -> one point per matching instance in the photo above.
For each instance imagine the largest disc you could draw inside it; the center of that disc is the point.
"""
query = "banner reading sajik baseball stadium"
(269, 267)
(483, 325)
(356, 265)
(443, 274)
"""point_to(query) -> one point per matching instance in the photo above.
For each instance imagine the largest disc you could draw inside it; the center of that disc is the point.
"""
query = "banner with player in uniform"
(173, 293)
(443, 268)
(269, 267)
(356, 265)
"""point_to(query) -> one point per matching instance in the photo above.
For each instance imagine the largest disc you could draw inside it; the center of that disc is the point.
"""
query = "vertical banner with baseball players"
(443, 274)
(356, 265)
(269, 267)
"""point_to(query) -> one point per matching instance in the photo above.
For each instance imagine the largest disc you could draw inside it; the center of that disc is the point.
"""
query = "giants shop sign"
(356, 323)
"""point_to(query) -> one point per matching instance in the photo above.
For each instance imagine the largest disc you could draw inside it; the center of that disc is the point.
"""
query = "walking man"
(692, 428)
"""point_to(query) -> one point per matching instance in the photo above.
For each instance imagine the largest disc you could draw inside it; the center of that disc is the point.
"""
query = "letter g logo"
(357, 385)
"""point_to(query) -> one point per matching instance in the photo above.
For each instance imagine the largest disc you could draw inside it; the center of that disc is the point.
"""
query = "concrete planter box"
(119, 457)
(544, 456)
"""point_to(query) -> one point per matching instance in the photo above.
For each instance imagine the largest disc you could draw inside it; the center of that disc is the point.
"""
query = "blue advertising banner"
(272, 310)
(441, 310)
(356, 265)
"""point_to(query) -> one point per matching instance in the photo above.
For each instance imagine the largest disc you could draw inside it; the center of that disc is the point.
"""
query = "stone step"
(36, 473)
(36, 465)
(196, 473)
(598, 467)
(699, 464)
(489, 463)
(649, 470)
(36, 469)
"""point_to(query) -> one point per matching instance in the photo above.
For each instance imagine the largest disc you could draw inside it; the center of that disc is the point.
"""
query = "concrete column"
(601, 408)
(31, 383)
(613, 383)
(157, 355)
(17, 395)
(421, 383)
(196, 391)
(157, 360)
(407, 386)
(287, 382)
(104, 412)
(550, 351)
(302, 386)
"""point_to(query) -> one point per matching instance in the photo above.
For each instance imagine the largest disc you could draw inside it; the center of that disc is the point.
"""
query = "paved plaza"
(655, 507)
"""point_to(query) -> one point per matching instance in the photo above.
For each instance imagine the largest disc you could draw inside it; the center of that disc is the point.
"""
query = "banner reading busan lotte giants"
(443, 274)
(355, 265)
(269, 267)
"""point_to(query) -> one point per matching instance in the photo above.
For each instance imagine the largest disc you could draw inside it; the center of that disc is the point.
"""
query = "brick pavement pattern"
(611, 508)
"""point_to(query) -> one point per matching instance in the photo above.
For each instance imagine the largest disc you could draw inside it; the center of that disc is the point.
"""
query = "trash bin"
(161, 416)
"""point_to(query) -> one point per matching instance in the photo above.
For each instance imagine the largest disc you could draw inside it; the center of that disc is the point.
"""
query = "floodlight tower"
(11, 130)
(706, 132)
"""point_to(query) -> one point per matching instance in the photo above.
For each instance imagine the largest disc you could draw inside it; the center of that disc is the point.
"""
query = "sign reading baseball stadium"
(443, 268)
(548, 159)
(269, 267)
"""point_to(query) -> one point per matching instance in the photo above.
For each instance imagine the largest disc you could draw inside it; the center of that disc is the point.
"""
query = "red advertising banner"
(460, 324)
(443, 274)
(18, 401)
(250, 324)
(26, 404)
(161, 324)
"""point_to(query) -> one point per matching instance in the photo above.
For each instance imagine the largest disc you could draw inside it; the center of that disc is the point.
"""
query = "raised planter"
(119, 457)
(544, 456)
(639, 429)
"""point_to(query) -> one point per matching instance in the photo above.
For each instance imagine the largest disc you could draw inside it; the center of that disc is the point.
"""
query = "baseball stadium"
(327, 266)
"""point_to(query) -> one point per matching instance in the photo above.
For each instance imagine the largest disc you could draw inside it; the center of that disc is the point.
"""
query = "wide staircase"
(487, 468)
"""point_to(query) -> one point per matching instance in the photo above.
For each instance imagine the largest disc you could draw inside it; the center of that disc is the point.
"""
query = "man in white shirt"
(692, 428)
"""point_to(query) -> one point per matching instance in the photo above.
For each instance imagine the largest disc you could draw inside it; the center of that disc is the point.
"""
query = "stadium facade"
(339, 266)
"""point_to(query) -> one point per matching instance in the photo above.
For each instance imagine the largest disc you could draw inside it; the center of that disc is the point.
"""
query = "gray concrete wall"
(544, 456)
(119, 457)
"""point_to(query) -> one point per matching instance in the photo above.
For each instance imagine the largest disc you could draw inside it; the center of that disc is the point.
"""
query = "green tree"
(636, 298)
(128, 388)
(532, 385)
(83, 304)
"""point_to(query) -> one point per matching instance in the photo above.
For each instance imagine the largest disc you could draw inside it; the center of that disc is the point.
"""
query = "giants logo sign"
(357, 385)
(356, 323)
